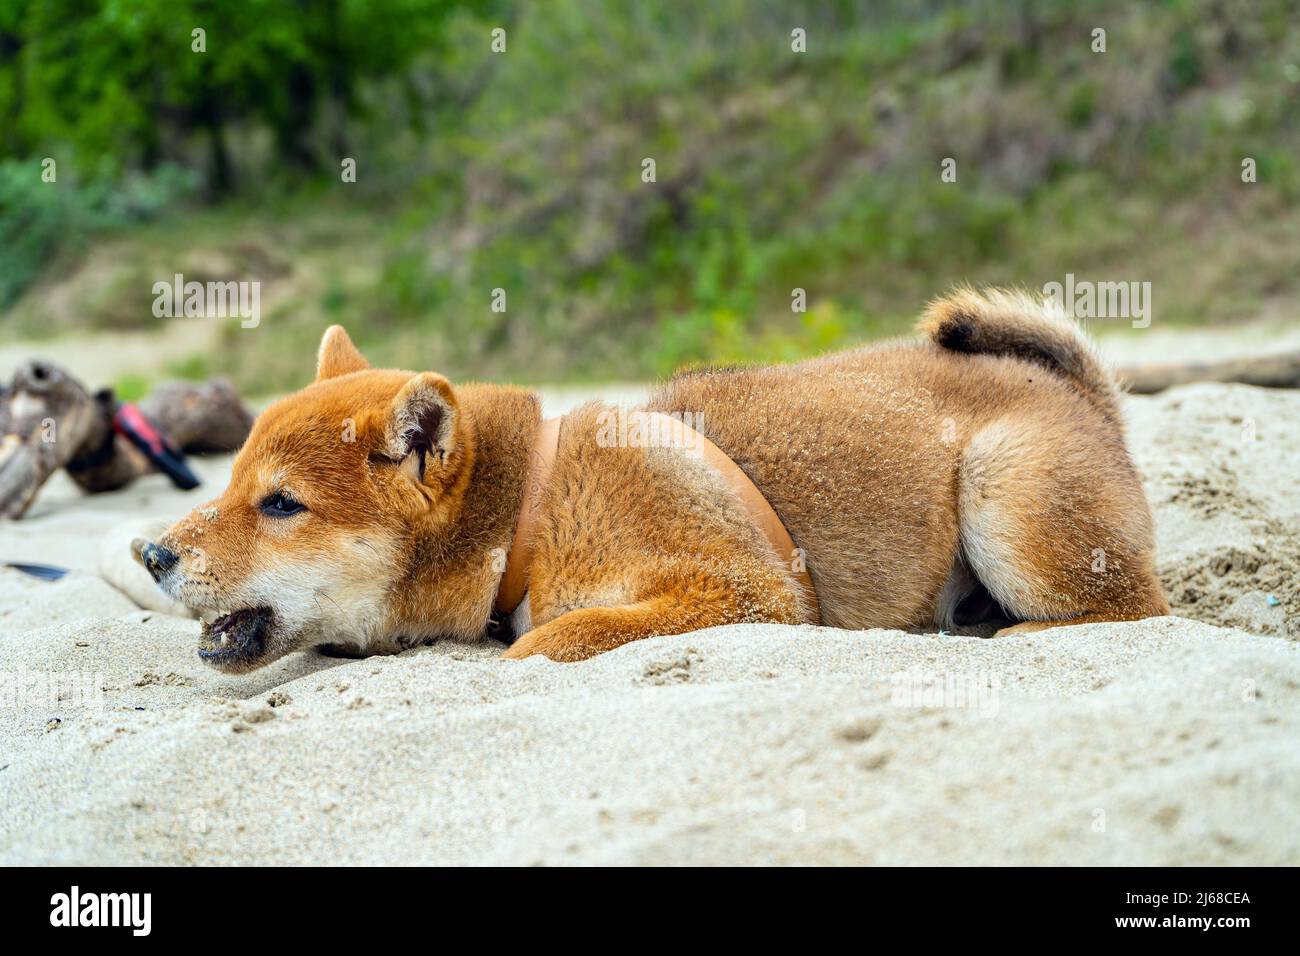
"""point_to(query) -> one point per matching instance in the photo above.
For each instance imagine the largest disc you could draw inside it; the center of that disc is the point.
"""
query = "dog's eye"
(281, 505)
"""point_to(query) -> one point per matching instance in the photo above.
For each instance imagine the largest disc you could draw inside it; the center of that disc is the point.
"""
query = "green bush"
(39, 220)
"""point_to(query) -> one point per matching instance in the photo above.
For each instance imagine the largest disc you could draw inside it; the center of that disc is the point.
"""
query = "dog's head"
(326, 495)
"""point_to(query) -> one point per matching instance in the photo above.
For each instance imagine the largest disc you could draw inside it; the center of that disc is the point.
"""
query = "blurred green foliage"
(521, 170)
(129, 81)
(37, 218)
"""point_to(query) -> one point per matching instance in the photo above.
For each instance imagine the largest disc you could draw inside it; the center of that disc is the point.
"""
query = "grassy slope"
(775, 171)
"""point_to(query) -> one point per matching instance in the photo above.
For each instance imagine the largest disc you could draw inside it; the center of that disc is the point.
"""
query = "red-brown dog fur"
(992, 450)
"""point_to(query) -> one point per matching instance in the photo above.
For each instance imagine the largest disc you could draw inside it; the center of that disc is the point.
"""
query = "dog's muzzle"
(157, 560)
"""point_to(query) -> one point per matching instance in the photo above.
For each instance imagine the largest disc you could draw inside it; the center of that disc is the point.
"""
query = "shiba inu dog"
(980, 471)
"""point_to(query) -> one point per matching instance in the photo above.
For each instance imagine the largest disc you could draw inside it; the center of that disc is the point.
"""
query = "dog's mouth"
(236, 640)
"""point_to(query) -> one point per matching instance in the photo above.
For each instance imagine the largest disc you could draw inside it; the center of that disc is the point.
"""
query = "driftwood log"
(1269, 371)
(49, 420)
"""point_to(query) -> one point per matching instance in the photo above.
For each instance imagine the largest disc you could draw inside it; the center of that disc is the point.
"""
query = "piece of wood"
(200, 418)
(49, 420)
(46, 416)
(1281, 370)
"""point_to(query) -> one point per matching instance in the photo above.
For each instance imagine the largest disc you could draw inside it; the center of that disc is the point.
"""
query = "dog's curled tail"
(1003, 322)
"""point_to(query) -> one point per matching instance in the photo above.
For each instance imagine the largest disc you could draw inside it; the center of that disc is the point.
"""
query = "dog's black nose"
(158, 560)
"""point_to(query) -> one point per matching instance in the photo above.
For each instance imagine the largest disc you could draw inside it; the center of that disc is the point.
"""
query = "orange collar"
(514, 581)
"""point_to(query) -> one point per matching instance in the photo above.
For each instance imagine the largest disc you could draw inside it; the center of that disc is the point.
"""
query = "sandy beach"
(1169, 741)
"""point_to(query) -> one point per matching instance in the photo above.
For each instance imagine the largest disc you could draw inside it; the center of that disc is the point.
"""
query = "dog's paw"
(526, 646)
(548, 645)
(517, 651)
(1026, 627)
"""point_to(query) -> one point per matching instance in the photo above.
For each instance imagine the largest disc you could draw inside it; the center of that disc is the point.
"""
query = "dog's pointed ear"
(337, 355)
(421, 431)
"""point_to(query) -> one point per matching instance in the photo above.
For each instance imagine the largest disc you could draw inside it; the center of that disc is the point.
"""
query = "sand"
(1170, 741)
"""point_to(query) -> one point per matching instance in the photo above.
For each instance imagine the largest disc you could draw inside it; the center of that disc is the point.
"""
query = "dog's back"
(878, 459)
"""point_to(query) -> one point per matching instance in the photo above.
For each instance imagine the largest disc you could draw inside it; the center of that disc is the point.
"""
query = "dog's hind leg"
(1055, 524)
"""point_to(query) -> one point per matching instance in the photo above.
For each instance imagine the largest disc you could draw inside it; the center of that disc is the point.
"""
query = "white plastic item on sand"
(118, 566)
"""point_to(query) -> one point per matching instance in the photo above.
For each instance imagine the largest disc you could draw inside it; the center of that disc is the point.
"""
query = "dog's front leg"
(589, 631)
